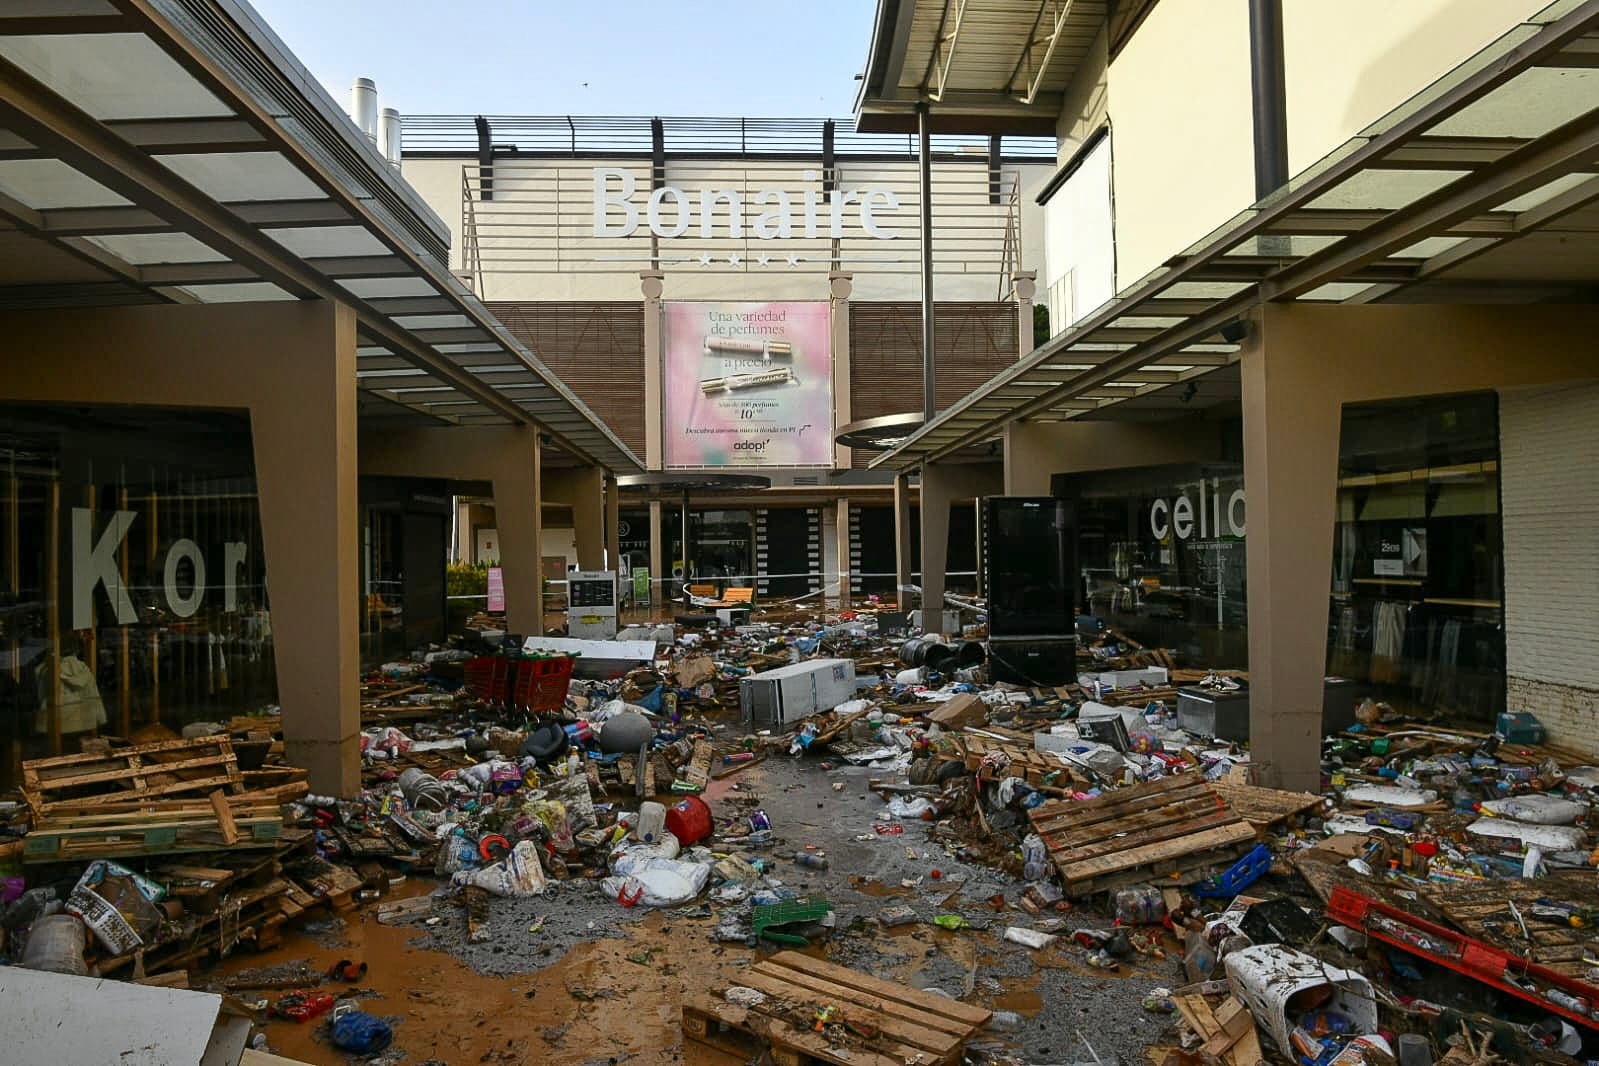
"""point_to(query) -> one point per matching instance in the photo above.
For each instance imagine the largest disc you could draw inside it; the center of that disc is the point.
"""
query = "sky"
(767, 58)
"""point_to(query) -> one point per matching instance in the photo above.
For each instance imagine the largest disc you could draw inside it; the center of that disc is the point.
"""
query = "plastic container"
(1277, 982)
(361, 1033)
(651, 822)
(1140, 905)
(55, 944)
(689, 820)
(814, 862)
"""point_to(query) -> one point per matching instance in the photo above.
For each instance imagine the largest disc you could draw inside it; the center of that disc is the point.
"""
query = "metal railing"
(621, 136)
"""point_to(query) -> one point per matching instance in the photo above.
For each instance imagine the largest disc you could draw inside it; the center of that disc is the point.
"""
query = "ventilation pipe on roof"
(364, 107)
(389, 137)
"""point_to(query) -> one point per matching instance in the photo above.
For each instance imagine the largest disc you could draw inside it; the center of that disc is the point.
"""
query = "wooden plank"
(781, 1033)
(1119, 800)
(944, 1025)
(1194, 808)
(1152, 854)
(230, 831)
(1183, 827)
(855, 1006)
(942, 1005)
(199, 785)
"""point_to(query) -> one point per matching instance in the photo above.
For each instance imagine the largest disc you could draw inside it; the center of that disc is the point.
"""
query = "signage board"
(748, 385)
(496, 589)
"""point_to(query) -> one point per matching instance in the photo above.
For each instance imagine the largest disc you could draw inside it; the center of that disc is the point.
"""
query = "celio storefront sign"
(1212, 516)
(769, 214)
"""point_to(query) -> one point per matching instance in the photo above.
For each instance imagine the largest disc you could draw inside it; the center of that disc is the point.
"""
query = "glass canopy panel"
(237, 292)
(1384, 190)
(387, 288)
(1545, 192)
(43, 184)
(315, 241)
(143, 249)
(1531, 104)
(1282, 246)
(433, 321)
(242, 177)
(1336, 291)
(113, 76)
(1428, 247)
(1205, 290)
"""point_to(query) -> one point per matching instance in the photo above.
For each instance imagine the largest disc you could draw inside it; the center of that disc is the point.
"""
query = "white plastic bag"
(519, 874)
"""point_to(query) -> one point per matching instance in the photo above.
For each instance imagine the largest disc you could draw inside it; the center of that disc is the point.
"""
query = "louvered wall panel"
(596, 348)
(974, 341)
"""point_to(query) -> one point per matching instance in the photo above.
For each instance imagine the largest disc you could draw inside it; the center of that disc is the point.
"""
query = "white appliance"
(591, 604)
(776, 699)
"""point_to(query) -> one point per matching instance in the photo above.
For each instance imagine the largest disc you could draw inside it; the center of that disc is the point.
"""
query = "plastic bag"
(117, 904)
(519, 874)
(555, 819)
(361, 1033)
(899, 807)
(572, 793)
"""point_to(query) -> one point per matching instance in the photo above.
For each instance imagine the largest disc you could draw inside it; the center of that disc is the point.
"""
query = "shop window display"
(132, 588)
(1418, 576)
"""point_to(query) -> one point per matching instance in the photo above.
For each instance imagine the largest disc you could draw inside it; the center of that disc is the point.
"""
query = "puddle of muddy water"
(594, 1003)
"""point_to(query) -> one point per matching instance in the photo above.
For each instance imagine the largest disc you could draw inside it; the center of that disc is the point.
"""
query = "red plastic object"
(541, 683)
(493, 847)
(689, 820)
(1479, 961)
(302, 1006)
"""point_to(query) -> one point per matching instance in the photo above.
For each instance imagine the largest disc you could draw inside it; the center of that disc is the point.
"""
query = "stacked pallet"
(1177, 826)
(167, 797)
(809, 1010)
(1034, 767)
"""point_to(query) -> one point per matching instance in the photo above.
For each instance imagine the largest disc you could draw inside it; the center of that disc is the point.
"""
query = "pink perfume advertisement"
(748, 384)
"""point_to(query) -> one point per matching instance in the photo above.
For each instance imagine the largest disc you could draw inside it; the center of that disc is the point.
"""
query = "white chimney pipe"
(389, 136)
(364, 107)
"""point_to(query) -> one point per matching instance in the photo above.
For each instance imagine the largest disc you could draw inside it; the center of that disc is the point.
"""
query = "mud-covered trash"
(891, 917)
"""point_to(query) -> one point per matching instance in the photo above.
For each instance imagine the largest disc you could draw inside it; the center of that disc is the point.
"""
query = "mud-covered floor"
(579, 979)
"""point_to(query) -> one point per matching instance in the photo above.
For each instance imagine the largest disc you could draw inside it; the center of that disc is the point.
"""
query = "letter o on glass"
(184, 606)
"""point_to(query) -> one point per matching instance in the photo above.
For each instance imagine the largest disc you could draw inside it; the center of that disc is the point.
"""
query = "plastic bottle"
(1005, 1021)
(815, 862)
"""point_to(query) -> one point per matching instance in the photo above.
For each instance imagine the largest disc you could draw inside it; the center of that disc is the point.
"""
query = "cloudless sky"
(767, 58)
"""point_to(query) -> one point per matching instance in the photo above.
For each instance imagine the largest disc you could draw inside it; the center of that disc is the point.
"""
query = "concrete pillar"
(505, 456)
(586, 492)
(613, 524)
(652, 284)
(305, 447)
(658, 584)
(1023, 287)
(840, 285)
(1299, 366)
(841, 533)
(902, 541)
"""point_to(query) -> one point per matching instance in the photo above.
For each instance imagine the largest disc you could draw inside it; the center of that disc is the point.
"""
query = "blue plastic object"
(362, 1033)
(1239, 876)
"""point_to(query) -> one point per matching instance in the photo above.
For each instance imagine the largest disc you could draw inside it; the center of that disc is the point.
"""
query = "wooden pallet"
(1483, 913)
(874, 1022)
(1262, 807)
(164, 769)
(1032, 766)
(1225, 1026)
(1177, 825)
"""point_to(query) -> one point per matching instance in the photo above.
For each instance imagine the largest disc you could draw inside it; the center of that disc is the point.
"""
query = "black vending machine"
(1028, 572)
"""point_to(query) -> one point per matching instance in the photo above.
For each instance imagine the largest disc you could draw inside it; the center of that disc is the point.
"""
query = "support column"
(305, 450)
(613, 525)
(902, 541)
(979, 545)
(1023, 287)
(652, 284)
(840, 285)
(841, 540)
(657, 555)
(935, 546)
(587, 496)
(1291, 475)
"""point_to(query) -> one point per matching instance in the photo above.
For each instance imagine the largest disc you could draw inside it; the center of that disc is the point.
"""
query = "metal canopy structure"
(174, 151)
(983, 66)
(1483, 188)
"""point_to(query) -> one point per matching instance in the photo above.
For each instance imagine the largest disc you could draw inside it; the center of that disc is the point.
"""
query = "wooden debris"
(1263, 807)
(1227, 1029)
(163, 769)
(1177, 825)
(865, 1021)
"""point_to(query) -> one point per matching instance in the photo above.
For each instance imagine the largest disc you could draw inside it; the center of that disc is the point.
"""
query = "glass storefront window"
(1160, 557)
(1418, 576)
(132, 575)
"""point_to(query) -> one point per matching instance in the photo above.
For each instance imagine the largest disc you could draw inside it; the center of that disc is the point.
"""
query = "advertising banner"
(748, 385)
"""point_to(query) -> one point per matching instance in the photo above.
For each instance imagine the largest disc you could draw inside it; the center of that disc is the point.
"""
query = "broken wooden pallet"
(1263, 807)
(1033, 766)
(1177, 825)
(872, 1022)
(164, 769)
(1226, 1028)
(1483, 912)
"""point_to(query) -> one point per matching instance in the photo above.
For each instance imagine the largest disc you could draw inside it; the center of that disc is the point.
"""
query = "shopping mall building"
(1291, 301)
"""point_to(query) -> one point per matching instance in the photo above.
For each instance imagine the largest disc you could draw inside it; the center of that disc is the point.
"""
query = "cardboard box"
(962, 712)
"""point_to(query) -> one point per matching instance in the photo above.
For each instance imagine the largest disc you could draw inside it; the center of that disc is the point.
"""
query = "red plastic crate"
(541, 683)
(486, 678)
(1444, 946)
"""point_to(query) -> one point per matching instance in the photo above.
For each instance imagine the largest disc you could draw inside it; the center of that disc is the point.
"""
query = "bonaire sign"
(766, 214)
